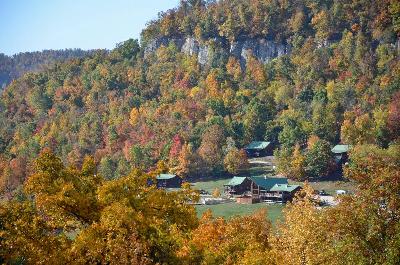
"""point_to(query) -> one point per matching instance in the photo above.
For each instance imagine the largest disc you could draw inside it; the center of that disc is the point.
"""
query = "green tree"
(107, 167)
(319, 161)
(128, 49)
(293, 130)
(254, 121)
(140, 156)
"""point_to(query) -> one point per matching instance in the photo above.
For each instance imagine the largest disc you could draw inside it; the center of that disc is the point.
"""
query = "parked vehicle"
(322, 193)
(341, 192)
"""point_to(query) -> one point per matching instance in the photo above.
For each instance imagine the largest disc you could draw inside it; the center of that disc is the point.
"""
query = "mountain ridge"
(129, 108)
(14, 66)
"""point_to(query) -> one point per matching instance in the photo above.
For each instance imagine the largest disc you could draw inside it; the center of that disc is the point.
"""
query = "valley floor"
(259, 166)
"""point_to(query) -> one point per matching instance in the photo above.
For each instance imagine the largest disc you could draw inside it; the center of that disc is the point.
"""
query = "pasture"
(229, 210)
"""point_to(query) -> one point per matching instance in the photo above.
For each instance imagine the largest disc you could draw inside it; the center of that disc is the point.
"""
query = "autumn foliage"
(71, 215)
(110, 121)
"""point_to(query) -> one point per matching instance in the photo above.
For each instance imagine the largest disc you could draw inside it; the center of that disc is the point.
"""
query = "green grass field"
(229, 210)
(210, 185)
(330, 187)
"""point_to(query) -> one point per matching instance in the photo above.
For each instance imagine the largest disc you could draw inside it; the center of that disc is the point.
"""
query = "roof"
(257, 145)
(341, 148)
(235, 181)
(284, 187)
(165, 176)
(268, 183)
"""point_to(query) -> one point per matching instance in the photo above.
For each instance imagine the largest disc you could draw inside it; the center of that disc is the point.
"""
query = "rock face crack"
(262, 49)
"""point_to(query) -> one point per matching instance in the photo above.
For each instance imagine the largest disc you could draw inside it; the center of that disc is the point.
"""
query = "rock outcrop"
(264, 50)
(193, 48)
(261, 48)
(153, 45)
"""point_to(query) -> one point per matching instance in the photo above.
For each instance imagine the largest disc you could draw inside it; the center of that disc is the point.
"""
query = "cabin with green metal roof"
(260, 188)
(341, 148)
(266, 182)
(282, 193)
(261, 185)
(168, 181)
(259, 148)
(237, 186)
(340, 152)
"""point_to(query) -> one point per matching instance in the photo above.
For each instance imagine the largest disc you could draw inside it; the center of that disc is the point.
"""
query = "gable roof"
(257, 145)
(268, 183)
(284, 187)
(341, 148)
(235, 181)
(165, 176)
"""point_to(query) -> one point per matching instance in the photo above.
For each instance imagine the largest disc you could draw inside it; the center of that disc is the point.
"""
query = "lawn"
(228, 210)
(330, 187)
(210, 185)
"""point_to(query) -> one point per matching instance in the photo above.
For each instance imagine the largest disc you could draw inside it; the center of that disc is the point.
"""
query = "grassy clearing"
(210, 185)
(258, 169)
(229, 210)
(330, 187)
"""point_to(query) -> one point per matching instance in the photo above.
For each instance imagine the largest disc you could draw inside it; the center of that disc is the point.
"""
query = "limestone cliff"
(261, 48)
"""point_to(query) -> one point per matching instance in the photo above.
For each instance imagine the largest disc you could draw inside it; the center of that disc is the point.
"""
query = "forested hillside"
(82, 142)
(12, 67)
(148, 103)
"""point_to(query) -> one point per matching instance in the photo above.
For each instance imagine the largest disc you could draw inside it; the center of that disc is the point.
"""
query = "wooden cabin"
(261, 186)
(237, 186)
(259, 148)
(168, 181)
(282, 193)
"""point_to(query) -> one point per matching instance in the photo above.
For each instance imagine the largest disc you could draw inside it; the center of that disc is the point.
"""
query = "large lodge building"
(260, 188)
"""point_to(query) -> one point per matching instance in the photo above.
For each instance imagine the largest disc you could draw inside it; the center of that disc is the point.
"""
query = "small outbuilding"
(168, 181)
(237, 186)
(259, 148)
(340, 152)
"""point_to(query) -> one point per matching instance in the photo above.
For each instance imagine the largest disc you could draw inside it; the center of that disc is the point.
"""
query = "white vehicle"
(341, 192)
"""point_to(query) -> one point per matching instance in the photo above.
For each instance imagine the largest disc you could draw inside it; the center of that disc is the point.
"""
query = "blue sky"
(35, 25)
